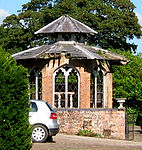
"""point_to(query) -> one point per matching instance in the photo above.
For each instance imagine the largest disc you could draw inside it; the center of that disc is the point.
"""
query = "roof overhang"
(72, 50)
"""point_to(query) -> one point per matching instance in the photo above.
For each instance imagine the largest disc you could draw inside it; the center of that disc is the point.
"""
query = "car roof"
(35, 100)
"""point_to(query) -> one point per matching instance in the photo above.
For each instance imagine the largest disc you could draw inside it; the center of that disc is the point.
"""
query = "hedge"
(15, 133)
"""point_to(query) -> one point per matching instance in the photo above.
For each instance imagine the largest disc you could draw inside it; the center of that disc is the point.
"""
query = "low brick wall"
(106, 122)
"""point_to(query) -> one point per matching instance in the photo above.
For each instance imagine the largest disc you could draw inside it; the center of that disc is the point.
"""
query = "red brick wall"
(106, 122)
(47, 85)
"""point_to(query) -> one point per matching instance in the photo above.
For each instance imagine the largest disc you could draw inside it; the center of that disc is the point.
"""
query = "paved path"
(66, 142)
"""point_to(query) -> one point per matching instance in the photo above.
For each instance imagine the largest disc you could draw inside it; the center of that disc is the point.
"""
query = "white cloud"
(3, 14)
(139, 18)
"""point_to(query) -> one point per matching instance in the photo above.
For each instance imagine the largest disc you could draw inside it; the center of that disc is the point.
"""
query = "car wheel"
(39, 133)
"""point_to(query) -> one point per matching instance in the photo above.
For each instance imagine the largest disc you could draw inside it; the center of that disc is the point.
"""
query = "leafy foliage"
(129, 76)
(72, 78)
(128, 83)
(14, 126)
(115, 22)
(60, 78)
(88, 133)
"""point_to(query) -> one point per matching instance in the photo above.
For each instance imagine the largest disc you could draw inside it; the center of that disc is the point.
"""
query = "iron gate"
(129, 126)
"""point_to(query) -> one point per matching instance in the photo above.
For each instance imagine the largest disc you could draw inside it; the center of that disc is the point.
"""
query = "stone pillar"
(84, 89)
(108, 90)
(47, 85)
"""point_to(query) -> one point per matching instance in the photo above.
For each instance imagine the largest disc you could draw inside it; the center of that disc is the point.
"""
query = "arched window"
(97, 89)
(66, 81)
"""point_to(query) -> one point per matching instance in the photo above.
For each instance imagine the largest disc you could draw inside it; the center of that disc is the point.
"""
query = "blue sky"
(8, 7)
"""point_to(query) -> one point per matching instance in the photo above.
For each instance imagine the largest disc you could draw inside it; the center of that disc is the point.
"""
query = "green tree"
(114, 20)
(127, 83)
(15, 133)
(129, 76)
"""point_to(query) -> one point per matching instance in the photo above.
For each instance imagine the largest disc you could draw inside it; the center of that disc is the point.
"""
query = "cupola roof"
(66, 24)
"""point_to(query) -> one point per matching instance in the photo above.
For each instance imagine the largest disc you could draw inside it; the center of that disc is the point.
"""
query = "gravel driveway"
(70, 142)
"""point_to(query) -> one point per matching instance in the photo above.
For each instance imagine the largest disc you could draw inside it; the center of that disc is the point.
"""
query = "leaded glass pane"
(92, 91)
(100, 89)
(59, 87)
(96, 90)
(60, 82)
(73, 87)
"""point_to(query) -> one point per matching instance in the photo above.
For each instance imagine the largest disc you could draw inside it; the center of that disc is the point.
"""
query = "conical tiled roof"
(66, 24)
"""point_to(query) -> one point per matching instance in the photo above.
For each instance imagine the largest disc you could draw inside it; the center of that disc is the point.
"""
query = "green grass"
(88, 133)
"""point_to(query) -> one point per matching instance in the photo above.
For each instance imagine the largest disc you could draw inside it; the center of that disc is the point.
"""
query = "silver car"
(43, 119)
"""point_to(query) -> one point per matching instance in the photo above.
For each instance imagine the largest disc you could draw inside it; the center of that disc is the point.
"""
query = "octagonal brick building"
(67, 72)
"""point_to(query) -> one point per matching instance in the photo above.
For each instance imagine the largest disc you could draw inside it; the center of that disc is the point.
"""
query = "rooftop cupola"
(66, 28)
